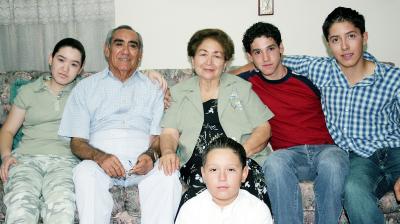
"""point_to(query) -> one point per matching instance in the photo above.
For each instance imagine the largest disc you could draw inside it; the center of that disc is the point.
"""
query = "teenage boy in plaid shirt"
(361, 102)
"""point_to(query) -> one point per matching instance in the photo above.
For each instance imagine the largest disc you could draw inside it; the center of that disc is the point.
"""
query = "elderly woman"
(210, 105)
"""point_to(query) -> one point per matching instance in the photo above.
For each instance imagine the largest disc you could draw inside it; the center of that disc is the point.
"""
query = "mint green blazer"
(240, 111)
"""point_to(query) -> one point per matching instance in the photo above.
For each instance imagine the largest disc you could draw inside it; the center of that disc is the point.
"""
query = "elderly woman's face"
(209, 61)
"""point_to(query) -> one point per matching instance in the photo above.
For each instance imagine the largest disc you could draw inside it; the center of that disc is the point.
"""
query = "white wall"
(167, 25)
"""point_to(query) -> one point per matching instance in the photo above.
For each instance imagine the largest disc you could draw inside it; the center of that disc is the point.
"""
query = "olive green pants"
(40, 184)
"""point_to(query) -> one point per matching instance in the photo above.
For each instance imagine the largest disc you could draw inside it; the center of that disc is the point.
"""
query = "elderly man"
(112, 118)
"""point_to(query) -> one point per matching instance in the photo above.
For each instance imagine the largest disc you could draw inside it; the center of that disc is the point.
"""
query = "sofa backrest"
(7, 80)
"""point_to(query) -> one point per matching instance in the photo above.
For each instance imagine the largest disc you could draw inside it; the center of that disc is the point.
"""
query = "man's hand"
(397, 189)
(110, 164)
(5, 166)
(169, 162)
(143, 165)
(158, 77)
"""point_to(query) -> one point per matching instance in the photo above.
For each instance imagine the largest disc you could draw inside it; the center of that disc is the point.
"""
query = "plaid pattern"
(361, 118)
(102, 102)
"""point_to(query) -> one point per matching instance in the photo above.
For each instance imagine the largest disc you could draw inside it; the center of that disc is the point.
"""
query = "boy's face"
(266, 56)
(346, 43)
(223, 175)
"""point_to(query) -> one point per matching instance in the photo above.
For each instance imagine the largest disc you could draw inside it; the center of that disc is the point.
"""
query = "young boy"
(303, 148)
(224, 169)
(361, 103)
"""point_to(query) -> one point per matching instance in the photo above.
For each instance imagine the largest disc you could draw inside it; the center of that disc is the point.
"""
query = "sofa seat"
(127, 207)
(387, 203)
(126, 201)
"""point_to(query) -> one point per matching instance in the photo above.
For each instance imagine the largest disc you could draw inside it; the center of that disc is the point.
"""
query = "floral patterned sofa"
(126, 204)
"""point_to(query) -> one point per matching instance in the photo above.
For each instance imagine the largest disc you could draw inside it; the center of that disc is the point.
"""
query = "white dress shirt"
(246, 208)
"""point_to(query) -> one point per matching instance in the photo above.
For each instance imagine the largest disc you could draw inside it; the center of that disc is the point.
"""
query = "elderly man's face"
(124, 53)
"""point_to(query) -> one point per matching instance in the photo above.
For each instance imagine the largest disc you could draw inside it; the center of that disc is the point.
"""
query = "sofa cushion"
(13, 93)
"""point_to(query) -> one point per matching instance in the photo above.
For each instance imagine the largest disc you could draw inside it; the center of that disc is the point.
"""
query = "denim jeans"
(326, 165)
(369, 179)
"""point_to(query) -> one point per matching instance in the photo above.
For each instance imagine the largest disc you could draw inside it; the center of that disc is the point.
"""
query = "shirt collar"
(379, 67)
(289, 73)
(379, 71)
(224, 81)
(136, 74)
(40, 84)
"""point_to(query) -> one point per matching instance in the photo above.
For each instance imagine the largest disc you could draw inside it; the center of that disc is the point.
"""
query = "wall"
(167, 25)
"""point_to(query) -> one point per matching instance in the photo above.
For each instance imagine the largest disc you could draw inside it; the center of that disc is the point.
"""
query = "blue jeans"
(326, 165)
(369, 179)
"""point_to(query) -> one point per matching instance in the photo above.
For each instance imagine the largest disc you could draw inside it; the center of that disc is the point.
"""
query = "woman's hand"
(258, 139)
(169, 162)
(7, 161)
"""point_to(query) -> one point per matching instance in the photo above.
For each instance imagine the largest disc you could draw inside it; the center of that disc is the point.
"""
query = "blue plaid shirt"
(361, 118)
(102, 102)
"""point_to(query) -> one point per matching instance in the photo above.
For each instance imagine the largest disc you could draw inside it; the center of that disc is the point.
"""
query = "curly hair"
(260, 29)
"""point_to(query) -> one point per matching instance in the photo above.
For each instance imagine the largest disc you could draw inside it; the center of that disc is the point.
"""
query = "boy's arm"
(312, 66)
(299, 63)
(242, 69)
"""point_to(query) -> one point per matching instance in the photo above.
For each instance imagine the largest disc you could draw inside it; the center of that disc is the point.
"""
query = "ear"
(249, 57)
(140, 56)
(365, 38)
(245, 173)
(203, 174)
(81, 70)
(106, 51)
(281, 48)
(225, 66)
(50, 60)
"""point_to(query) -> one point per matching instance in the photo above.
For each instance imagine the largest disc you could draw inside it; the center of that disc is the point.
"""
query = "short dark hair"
(260, 29)
(226, 143)
(216, 34)
(73, 43)
(343, 14)
(110, 35)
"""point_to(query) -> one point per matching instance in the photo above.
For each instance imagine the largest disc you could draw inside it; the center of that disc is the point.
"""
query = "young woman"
(40, 168)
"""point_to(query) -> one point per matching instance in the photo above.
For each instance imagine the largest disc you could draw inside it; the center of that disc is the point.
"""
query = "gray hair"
(110, 34)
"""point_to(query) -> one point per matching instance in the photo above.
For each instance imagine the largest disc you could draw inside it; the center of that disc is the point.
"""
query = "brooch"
(235, 101)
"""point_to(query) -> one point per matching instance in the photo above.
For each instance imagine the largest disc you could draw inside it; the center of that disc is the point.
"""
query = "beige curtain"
(29, 29)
